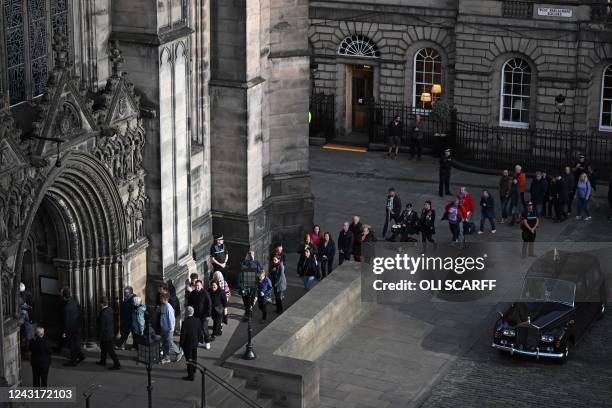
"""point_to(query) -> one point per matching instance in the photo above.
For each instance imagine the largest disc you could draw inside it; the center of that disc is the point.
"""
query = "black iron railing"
(494, 147)
(435, 131)
(204, 372)
(322, 123)
(517, 9)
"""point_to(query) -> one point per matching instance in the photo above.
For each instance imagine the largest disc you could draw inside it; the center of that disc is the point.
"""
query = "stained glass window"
(29, 27)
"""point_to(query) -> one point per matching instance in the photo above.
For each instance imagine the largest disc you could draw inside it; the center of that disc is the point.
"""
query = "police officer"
(445, 173)
(218, 255)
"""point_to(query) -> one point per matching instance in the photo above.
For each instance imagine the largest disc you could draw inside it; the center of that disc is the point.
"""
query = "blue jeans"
(308, 281)
(168, 345)
(583, 205)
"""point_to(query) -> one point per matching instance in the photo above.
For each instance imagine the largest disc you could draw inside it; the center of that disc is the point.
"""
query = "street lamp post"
(249, 285)
(148, 354)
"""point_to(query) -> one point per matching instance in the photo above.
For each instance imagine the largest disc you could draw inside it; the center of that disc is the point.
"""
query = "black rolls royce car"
(562, 294)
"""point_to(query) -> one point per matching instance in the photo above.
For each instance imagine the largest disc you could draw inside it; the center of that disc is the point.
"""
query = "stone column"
(288, 198)
(259, 86)
(156, 49)
(236, 89)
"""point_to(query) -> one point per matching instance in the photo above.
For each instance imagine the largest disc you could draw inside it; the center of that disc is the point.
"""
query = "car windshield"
(548, 290)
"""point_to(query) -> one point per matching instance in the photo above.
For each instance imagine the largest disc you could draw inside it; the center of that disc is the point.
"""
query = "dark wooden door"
(362, 96)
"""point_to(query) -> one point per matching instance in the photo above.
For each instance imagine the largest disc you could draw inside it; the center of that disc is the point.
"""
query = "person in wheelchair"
(406, 226)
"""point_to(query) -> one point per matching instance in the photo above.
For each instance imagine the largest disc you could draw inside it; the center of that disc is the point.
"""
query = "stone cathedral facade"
(131, 131)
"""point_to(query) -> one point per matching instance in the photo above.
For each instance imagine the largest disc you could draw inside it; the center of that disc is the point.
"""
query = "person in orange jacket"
(521, 177)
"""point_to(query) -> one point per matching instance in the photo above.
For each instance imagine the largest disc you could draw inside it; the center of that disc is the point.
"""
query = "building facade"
(502, 63)
(131, 132)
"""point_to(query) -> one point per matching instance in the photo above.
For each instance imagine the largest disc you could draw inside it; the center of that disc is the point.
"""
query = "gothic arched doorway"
(76, 237)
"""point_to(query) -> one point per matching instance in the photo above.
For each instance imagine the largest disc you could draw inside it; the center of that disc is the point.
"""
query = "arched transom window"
(358, 45)
(427, 72)
(515, 93)
(29, 26)
(605, 121)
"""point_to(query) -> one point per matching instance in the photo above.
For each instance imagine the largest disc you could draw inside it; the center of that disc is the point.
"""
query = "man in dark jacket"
(416, 139)
(408, 222)
(445, 173)
(190, 335)
(345, 244)
(356, 229)
(127, 307)
(559, 195)
(106, 334)
(395, 132)
(570, 184)
(393, 210)
(71, 325)
(40, 358)
(537, 192)
(219, 257)
(199, 299)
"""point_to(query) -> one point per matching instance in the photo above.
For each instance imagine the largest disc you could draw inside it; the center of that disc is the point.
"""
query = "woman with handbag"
(308, 267)
(264, 294)
(219, 308)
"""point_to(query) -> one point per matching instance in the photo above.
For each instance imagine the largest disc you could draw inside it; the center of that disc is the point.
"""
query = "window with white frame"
(605, 121)
(427, 72)
(515, 92)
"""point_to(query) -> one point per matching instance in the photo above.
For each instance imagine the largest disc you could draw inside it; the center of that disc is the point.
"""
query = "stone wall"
(566, 54)
(287, 350)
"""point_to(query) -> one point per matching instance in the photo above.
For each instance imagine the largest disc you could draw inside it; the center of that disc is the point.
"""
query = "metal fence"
(434, 132)
(494, 147)
(322, 119)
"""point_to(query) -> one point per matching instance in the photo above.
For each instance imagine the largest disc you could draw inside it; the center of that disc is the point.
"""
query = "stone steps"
(218, 396)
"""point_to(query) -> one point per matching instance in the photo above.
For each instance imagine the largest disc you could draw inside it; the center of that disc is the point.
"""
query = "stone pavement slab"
(400, 351)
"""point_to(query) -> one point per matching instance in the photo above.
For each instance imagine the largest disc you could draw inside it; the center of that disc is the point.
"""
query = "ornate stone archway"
(92, 196)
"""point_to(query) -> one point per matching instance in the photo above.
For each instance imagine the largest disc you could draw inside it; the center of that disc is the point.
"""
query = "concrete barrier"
(286, 367)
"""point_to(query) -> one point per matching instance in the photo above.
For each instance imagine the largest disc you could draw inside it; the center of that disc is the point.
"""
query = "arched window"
(605, 121)
(358, 45)
(427, 72)
(515, 92)
(29, 26)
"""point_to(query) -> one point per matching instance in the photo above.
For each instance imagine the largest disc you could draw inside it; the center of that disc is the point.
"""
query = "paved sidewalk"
(394, 356)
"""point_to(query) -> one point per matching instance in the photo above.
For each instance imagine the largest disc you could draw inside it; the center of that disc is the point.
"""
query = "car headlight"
(509, 332)
(547, 338)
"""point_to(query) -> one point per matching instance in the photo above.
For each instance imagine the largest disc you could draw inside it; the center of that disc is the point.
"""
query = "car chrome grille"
(528, 336)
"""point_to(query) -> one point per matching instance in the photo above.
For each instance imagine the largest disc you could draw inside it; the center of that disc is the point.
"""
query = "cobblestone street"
(486, 378)
(440, 355)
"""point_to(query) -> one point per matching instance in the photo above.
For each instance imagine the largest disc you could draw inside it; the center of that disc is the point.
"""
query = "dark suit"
(326, 257)
(202, 306)
(345, 245)
(71, 324)
(40, 358)
(106, 335)
(393, 212)
(190, 336)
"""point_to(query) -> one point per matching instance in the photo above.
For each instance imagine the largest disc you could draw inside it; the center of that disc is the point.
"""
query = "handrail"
(207, 372)
(89, 392)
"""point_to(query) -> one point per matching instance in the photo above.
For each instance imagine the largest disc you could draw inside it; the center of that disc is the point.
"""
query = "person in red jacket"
(521, 177)
(467, 203)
